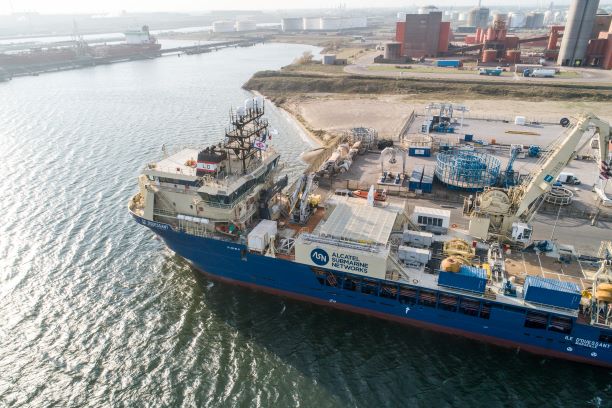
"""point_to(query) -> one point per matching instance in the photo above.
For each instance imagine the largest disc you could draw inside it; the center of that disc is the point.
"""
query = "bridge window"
(469, 307)
(320, 275)
(448, 303)
(536, 320)
(485, 310)
(427, 298)
(388, 291)
(332, 280)
(351, 284)
(408, 296)
(560, 324)
(369, 287)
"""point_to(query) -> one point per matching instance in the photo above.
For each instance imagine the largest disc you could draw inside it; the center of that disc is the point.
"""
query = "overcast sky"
(115, 6)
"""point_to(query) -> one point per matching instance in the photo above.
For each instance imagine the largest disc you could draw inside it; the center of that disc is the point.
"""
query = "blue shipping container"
(468, 278)
(552, 292)
(427, 184)
(415, 179)
(419, 151)
(448, 63)
(468, 138)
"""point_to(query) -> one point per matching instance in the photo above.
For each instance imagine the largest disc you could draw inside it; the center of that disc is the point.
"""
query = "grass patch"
(275, 83)
(314, 67)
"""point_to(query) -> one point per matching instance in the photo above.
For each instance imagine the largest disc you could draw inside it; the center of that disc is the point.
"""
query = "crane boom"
(547, 174)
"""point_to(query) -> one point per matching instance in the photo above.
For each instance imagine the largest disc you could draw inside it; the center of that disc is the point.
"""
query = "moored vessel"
(231, 213)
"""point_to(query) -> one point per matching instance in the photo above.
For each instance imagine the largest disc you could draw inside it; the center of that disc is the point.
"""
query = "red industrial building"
(423, 35)
(599, 48)
(426, 35)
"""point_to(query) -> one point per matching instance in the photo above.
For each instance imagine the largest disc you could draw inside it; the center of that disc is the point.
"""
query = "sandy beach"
(335, 113)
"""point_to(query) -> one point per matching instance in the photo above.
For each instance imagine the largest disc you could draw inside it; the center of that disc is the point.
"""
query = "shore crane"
(504, 214)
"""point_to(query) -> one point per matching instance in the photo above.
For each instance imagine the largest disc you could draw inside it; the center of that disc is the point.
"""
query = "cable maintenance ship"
(230, 213)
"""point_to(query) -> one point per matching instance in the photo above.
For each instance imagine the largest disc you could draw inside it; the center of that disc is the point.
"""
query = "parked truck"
(490, 71)
(568, 178)
(449, 63)
(539, 73)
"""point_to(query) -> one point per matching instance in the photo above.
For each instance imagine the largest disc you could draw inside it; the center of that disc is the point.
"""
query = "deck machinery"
(504, 214)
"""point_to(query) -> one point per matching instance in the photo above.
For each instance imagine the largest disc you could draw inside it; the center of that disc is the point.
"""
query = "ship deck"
(177, 163)
(522, 264)
(366, 171)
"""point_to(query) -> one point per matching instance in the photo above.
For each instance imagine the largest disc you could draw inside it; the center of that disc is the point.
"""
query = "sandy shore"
(335, 113)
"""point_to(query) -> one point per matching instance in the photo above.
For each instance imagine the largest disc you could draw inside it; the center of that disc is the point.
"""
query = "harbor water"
(94, 311)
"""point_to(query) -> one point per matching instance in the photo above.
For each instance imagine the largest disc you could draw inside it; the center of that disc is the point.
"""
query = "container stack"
(415, 178)
(427, 180)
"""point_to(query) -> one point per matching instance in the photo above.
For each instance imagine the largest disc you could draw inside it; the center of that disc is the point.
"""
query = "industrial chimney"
(580, 21)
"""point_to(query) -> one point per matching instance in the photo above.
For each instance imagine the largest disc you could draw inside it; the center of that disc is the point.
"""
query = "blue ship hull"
(492, 322)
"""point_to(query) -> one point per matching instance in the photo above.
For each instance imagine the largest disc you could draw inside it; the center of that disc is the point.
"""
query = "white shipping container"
(259, 236)
(417, 238)
(434, 219)
(413, 255)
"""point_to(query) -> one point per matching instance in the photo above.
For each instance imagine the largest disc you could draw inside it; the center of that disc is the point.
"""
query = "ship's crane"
(305, 207)
(299, 200)
(509, 174)
(504, 214)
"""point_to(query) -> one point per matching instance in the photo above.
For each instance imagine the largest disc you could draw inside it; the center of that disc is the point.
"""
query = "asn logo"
(319, 256)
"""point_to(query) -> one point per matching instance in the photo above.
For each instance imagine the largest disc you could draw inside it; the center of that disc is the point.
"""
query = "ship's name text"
(349, 263)
(588, 343)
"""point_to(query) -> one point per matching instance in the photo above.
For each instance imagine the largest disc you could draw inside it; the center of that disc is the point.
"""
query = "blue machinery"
(467, 169)
(509, 177)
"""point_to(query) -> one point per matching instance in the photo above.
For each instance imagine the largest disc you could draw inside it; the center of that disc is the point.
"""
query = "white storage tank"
(260, 236)
(516, 19)
(413, 256)
(311, 23)
(223, 26)
(292, 24)
(331, 23)
(246, 25)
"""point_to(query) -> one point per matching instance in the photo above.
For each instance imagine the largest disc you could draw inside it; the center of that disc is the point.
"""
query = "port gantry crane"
(499, 214)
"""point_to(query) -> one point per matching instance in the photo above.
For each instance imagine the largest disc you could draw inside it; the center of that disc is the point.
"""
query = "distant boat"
(139, 44)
